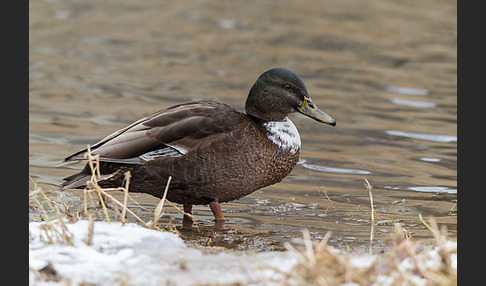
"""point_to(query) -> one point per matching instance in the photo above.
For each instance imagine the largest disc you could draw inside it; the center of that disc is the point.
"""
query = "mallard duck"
(214, 152)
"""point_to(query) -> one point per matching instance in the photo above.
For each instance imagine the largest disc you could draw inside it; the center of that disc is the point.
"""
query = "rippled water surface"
(385, 70)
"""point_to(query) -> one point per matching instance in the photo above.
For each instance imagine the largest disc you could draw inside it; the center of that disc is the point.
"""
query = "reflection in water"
(413, 103)
(423, 136)
(406, 90)
(386, 71)
(332, 169)
(429, 189)
(428, 159)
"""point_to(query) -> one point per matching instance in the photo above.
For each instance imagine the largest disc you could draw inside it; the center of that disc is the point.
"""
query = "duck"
(213, 152)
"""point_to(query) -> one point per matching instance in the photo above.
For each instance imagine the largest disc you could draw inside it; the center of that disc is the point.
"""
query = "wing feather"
(168, 132)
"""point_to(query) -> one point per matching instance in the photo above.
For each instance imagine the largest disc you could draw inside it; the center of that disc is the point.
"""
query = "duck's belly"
(209, 178)
(236, 177)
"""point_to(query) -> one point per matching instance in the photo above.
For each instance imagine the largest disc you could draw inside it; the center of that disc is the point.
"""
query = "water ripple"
(433, 189)
(414, 103)
(327, 169)
(406, 90)
(423, 136)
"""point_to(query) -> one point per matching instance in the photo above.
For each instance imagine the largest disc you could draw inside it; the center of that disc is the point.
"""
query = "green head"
(279, 92)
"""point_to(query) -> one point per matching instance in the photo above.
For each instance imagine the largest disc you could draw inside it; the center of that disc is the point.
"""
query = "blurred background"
(385, 70)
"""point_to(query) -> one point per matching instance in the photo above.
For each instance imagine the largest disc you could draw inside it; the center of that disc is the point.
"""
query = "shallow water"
(386, 71)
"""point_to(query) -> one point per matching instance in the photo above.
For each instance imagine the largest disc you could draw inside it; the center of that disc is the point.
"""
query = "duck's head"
(279, 92)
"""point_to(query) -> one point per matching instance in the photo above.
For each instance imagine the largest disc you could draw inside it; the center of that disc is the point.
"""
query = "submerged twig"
(324, 191)
(427, 225)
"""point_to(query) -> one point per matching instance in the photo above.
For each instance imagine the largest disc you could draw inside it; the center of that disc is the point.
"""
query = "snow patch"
(135, 255)
(139, 256)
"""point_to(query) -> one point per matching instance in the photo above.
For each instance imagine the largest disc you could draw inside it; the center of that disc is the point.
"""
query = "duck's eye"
(287, 87)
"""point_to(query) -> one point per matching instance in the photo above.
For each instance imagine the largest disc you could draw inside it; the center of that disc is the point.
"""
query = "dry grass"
(54, 232)
(103, 192)
(372, 231)
(406, 262)
(55, 213)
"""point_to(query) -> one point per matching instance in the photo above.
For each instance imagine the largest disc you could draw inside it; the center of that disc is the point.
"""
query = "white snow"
(141, 256)
(135, 255)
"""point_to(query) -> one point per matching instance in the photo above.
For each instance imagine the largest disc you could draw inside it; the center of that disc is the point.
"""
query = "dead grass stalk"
(372, 230)
(92, 185)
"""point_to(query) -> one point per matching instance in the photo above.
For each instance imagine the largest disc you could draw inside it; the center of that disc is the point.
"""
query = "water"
(386, 71)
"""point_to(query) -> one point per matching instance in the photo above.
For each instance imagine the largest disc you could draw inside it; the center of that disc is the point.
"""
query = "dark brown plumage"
(213, 152)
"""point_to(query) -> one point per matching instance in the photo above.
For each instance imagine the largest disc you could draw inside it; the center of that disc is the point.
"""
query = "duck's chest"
(284, 135)
(275, 156)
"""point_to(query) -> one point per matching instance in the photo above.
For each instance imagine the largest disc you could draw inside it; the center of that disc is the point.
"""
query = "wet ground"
(386, 71)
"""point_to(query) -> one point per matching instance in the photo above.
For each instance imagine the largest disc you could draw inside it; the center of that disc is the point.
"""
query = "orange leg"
(187, 221)
(218, 214)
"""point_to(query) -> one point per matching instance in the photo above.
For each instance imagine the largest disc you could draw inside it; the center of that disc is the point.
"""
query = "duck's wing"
(169, 132)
